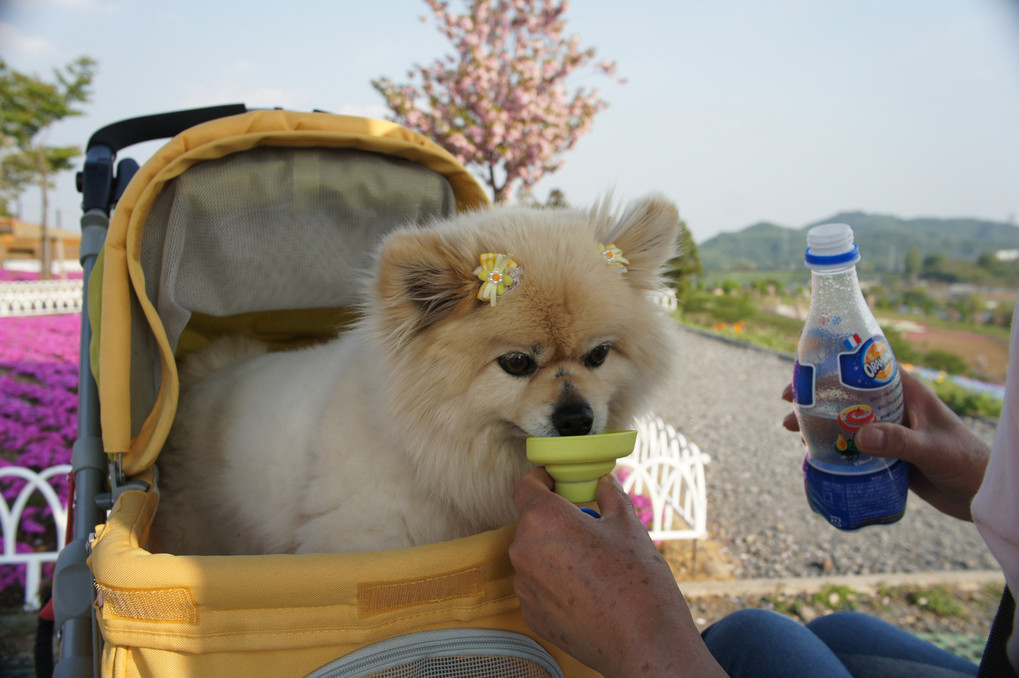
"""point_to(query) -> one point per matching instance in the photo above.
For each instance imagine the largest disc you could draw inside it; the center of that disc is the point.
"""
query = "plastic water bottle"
(845, 376)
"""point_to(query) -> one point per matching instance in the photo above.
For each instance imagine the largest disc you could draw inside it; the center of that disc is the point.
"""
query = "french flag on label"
(852, 342)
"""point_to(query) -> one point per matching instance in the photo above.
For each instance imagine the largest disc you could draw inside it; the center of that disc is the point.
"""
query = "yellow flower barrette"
(498, 274)
(614, 257)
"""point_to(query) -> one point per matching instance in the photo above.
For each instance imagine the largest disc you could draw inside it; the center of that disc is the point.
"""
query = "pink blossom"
(500, 104)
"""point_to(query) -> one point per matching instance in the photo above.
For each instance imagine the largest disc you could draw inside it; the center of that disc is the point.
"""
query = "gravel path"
(728, 401)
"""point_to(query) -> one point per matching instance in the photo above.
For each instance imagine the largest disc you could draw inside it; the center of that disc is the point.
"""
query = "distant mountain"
(884, 241)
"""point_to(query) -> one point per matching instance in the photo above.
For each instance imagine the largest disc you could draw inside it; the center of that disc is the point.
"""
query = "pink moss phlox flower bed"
(38, 415)
(641, 504)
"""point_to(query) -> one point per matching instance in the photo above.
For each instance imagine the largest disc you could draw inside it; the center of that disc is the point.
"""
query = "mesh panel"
(278, 228)
(447, 653)
(272, 228)
(464, 667)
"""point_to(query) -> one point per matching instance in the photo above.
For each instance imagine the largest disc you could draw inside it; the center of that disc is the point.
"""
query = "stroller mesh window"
(448, 653)
(278, 228)
(464, 667)
(271, 228)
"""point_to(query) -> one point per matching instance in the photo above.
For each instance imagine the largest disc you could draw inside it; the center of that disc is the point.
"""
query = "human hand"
(598, 588)
(948, 459)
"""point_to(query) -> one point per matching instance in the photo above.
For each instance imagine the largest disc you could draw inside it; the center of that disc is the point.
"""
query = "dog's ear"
(419, 280)
(646, 233)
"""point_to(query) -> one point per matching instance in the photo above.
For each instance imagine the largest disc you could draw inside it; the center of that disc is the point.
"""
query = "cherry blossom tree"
(502, 104)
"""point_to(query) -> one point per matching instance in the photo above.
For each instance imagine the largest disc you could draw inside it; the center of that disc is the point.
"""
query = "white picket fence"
(669, 470)
(666, 298)
(10, 520)
(40, 297)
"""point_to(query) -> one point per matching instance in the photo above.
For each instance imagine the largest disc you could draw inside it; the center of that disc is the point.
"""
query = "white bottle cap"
(831, 245)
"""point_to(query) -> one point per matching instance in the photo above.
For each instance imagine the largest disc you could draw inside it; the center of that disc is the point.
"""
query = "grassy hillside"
(884, 242)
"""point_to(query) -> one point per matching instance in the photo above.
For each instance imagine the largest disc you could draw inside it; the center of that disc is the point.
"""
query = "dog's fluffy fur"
(411, 427)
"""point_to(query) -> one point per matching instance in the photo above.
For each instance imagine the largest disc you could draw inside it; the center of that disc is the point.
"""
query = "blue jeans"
(766, 644)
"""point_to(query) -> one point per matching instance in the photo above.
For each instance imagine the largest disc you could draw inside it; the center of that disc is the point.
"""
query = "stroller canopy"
(278, 214)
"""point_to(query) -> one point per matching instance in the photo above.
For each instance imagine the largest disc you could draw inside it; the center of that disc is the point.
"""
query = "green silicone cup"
(577, 462)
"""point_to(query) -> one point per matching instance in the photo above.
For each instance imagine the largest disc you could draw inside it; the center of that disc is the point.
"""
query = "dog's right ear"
(419, 280)
(646, 233)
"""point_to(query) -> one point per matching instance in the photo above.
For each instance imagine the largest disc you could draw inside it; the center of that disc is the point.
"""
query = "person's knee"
(838, 621)
(751, 623)
(755, 642)
(863, 641)
(844, 630)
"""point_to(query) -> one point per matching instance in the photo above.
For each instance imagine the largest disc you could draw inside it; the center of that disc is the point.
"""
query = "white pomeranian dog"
(476, 333)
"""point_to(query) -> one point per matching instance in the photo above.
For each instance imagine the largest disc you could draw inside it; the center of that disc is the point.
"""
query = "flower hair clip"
(614, 257)
(498, 274)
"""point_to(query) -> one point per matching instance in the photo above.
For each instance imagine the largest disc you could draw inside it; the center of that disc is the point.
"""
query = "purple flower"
(38, 416)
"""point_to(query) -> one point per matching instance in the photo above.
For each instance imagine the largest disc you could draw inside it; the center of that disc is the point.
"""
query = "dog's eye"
(518, 364)
(597, 355)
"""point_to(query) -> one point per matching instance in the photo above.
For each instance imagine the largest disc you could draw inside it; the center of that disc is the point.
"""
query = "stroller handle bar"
(98, 184)
(119, 135)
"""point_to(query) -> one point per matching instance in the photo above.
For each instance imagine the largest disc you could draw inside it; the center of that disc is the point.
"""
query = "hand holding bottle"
(844, 378)
(948, 459)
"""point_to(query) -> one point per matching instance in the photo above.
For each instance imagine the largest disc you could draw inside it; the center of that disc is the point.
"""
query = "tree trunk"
(498, 192)
(45, 254)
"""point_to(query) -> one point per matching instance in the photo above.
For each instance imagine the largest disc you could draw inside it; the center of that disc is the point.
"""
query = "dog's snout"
(573, 419)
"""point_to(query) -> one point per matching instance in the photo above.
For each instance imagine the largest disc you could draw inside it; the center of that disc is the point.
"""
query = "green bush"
(964, 401)
(903, 350)
(946, 361)
(696, 301)
(836, 597)
(938, 600)
(731, 308)
(706, 308)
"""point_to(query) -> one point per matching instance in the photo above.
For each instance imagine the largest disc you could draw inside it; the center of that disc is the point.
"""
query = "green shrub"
(903, 350)
(731, 308)
(964, 401)
(836, 597)
(697, 301)
(938, 600)
(946, 361)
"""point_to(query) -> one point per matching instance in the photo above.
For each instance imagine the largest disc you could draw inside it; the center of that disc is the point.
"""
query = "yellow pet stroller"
(253, 221)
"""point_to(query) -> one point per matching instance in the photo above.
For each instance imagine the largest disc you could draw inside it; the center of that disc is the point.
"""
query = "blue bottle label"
(803, 384)
(850, 501)
(867, 364)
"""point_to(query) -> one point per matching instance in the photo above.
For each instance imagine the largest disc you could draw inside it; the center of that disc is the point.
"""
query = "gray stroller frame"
(96, 481)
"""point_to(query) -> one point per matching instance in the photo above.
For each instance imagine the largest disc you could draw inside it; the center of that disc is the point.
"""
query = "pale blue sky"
(739, 110)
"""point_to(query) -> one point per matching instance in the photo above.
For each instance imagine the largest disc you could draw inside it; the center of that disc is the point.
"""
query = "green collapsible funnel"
(577, 462)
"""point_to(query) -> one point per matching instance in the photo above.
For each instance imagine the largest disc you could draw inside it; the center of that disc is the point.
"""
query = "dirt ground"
(986, 355)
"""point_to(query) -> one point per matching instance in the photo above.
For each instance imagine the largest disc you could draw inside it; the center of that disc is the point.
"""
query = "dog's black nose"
(573, 419)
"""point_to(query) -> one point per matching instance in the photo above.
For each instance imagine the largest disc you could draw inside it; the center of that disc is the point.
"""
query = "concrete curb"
(864, 582)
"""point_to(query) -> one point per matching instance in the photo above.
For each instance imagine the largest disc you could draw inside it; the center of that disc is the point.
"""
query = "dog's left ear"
(646, 233)
(419, 280)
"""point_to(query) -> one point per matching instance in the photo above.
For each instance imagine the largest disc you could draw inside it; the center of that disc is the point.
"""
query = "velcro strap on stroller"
(386, 596)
